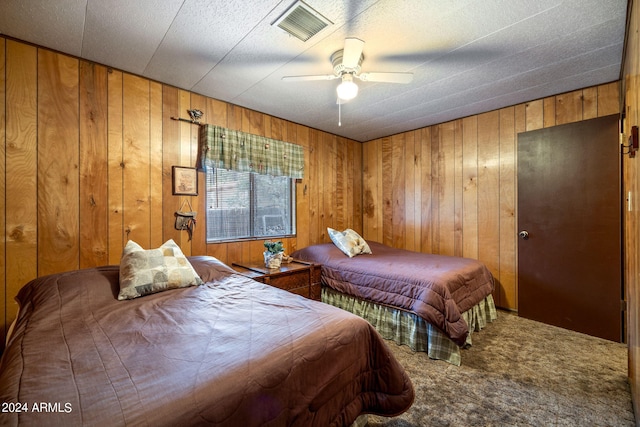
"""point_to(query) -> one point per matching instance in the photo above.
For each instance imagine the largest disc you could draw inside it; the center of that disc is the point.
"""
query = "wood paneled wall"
(451, 188)
(85, 164)
(631, 179)
(86, 155)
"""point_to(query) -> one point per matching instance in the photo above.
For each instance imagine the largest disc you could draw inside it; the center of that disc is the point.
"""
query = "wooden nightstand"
(298, 277)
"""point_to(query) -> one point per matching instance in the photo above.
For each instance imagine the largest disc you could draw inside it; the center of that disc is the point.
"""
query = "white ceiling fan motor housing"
(338, 67)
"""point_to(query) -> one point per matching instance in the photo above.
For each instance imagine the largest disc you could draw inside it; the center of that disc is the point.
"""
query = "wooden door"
(569, 222)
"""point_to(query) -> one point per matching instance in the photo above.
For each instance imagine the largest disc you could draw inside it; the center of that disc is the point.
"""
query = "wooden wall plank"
(358, 191)
(371, 196)
(136, 147)
(218, 251)
(339, 201)
(21, 202)
(321, 218)
(470, 187)
(216, 112)
(609, 98)
(353, 186)
(329, 165)
(115, 166)
(216, 115)
(369, 191)
(302, 186)
(331, 206)
(314, 187)
(353, 214)
(549, 112)
(409, 209)
(234, 117)
(457, 188)
(535, 114)
(387, 192)
(426, 233)
(184, 104)
(198, 102)
(631, 108)
(379, 191)
(156, 206)
(232, 251)
(199, 239)
(508, 242)
(569, 107)
(3, 230)
(94, 203)
(349, 182)
(58, 163)
(489, 195)
(397, 182)
(417, 180)
(521, 119)
(436, 178)
(183, 159)
(171, 149)
(446, 195)
(589, 103)
(254, 123)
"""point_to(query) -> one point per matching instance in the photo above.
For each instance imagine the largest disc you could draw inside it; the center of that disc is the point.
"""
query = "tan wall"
(85, 164)
(451, 188)
(631, 91)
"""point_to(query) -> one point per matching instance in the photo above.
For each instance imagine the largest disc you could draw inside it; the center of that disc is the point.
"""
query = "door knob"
(524, 234)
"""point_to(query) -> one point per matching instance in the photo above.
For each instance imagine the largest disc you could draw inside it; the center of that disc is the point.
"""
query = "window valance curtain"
(245, 152)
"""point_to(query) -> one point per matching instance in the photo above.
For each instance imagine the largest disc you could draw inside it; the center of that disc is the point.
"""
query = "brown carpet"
(520, 373)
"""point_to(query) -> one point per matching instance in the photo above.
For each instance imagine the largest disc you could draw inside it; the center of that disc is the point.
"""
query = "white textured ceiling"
(467, 56)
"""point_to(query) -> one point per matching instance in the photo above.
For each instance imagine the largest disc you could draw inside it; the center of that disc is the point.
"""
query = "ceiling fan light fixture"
(347, 89)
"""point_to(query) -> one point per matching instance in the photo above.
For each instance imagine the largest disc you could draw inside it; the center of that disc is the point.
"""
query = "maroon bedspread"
(232, 352)
(437, 288)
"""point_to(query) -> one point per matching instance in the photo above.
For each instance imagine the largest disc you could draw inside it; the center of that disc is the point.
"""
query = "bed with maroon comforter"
(231, 352)
(436, 288)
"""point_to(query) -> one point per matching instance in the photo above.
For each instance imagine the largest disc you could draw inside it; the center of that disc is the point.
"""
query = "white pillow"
(349, 242)
(144, 272)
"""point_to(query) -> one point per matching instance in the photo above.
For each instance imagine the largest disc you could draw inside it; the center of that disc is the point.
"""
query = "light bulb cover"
(347, 89)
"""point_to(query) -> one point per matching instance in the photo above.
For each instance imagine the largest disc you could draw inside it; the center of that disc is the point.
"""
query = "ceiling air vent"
(301, 21)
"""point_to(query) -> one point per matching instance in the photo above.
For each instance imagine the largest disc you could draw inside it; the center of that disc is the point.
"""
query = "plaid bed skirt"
(409, 329)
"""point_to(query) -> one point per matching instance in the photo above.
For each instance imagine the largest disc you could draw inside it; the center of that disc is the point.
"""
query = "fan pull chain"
(339, 113)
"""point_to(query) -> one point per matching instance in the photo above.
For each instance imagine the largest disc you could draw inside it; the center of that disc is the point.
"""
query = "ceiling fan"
(346, 66)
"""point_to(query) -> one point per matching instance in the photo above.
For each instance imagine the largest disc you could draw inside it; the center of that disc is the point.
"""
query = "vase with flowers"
(273, 254)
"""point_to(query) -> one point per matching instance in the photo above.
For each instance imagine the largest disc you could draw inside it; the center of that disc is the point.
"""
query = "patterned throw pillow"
(144, 272)
(349, 242)
(360, 242)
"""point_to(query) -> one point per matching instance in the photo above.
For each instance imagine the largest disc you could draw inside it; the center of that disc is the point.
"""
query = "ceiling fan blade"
(386, 77)
(309, 78)
(352, 51)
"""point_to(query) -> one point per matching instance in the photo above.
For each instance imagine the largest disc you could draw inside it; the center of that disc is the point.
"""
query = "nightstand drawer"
(298, 277)
(289, 280)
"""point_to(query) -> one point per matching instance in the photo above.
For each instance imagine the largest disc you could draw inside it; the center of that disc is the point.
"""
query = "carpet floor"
(519, 373)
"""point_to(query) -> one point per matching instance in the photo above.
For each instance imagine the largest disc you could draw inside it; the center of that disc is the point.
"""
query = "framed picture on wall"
(185, 181)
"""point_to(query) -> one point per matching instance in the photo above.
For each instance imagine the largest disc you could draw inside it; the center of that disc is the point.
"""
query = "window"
(245, 205)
